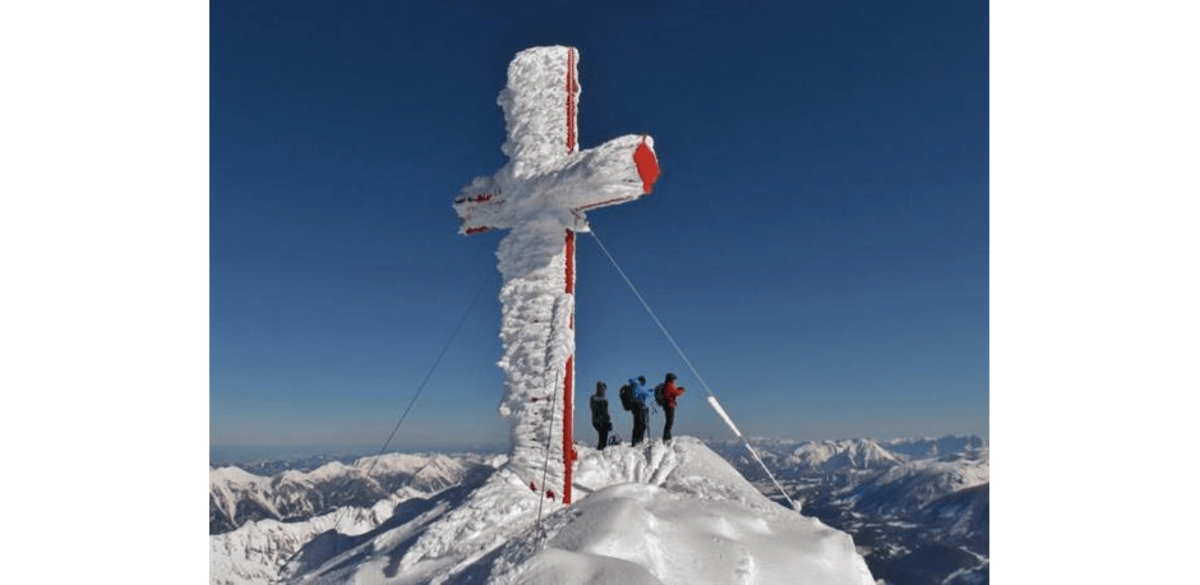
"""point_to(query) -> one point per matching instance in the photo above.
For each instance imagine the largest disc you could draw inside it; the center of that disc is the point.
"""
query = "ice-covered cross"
(541, 195)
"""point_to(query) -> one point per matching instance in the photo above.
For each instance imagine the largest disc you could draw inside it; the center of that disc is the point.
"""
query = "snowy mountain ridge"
(908, 486)
(831, 455)
(237, 496)
(916, 508)
(658, 513)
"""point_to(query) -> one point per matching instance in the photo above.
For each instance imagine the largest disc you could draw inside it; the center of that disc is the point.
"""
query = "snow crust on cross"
(541, 196)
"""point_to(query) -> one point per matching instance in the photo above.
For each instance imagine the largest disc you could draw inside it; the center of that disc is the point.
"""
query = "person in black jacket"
(600, 420)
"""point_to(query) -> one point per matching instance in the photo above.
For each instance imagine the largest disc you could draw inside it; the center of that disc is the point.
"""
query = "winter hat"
(642, 379)
(670, 376)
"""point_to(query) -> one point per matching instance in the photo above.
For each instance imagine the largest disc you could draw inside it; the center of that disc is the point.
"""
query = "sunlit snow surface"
(674, 513)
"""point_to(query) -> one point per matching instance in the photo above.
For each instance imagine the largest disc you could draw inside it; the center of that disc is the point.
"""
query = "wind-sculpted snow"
(678, 541)
(681, 515)
(673, 513)
(537, 340)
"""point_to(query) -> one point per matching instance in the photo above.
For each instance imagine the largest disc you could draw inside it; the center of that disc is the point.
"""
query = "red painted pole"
(568, 437)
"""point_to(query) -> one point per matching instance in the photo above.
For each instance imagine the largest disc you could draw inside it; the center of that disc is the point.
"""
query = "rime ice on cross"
(541, 195)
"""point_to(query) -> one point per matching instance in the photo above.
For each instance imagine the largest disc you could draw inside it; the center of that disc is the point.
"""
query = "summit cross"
(541, 195)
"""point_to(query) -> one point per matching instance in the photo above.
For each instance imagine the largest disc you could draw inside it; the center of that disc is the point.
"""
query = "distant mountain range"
(917, 508)
(237, 496)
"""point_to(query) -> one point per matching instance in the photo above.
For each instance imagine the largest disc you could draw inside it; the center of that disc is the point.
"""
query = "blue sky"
(817, 243)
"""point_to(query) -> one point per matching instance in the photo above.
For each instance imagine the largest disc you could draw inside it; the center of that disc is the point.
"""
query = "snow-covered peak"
(663, 513)
(396, 462)
(327, 471)
(235, 476)
(641, 533)
(852, 453)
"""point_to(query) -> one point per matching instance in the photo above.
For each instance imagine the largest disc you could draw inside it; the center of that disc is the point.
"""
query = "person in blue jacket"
(641, 408)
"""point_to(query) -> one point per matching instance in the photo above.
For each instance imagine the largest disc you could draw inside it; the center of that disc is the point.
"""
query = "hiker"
(641, 408)
(627, 403)
(600, 420)
(665, 394)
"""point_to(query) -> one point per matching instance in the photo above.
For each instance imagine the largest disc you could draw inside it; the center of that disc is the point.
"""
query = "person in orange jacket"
(670, 393)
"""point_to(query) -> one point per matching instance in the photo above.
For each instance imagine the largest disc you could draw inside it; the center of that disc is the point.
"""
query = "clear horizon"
(235, 454)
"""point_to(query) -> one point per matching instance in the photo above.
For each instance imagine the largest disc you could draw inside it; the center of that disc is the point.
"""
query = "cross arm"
(622, 169)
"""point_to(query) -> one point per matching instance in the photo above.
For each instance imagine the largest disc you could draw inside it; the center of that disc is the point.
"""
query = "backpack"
(659, 397)
(626, 394)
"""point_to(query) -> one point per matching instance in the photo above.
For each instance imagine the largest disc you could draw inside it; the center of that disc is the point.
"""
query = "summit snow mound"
(663, 513)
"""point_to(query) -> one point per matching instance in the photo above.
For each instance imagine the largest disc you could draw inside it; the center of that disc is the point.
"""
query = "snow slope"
(674, 513)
